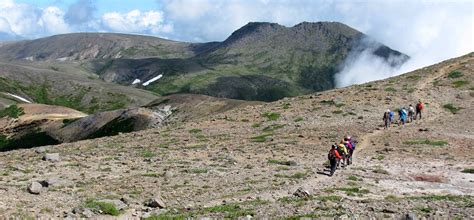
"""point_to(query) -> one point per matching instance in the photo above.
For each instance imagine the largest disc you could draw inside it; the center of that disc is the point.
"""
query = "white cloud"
(136, 21)
(52, 21)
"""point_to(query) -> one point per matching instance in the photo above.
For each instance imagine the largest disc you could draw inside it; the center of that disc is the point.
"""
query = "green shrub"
(256, 125)
(195, 131)
(390, 89)
(104, 207)
(455, 74)
(148, 154)
(13, 111)
(468, 170)
(260, 138)
(353, 178)
(282, 162)
(459, 83)
(450, 107)
(271, 116)
(299, 119)
(427, 142)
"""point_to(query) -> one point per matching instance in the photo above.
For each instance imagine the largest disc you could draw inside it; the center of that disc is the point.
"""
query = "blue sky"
(428, 30)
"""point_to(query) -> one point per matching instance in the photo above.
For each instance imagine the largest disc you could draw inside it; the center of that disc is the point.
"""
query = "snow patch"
(136, 81)
(62, 59)
(152, 80)
(19, 97)
(31, 58)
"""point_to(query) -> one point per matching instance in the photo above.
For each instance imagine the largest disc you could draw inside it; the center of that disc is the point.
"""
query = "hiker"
(350, 150)
(419, 108)
(386, 119)
(343, 153)
(402, 114)
(392, 116)
(411, 113)
(334, 158)
(353, 148)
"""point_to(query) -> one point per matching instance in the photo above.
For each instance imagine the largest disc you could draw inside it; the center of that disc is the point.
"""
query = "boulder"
(156, 202)
(301, 193)
(53, 157)
(35, 188)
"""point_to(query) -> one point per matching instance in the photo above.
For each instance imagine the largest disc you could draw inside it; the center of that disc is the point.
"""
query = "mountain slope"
(265, 57)
(65, 85)
(260, 61)
(250, 160)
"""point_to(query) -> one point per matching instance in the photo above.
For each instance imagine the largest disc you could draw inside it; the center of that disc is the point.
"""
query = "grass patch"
(13, 111)
(329, 198)
(103, 207)
(450, 107)
(337, 112)
(272, 128)
(455, 74)
(390, 89)
(427, 142)
(460, 83)
(425, 209)
(286, 106)
(353, 178)
(152, 175)
(328, 102)
(299, 119)
(282, 162)
(297, 175)
(392, 198)
(148, 154)
(260, 138)
(271, 116)
(468, 170)
(197, 170)
(195, 131)
(256, 125)
(380, 171)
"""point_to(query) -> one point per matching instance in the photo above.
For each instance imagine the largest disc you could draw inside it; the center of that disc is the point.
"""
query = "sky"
(427, 30)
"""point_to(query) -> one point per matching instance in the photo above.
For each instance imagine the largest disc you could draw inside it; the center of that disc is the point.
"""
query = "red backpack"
(419, 106)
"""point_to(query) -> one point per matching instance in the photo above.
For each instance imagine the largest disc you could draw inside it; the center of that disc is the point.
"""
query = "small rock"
(40, 150)
(53, 157)
(370, 209)
(411, 216)
(300, 136)
(301, 193)
(388, 211)
(35, 188)
(169, 174)
(156, 202)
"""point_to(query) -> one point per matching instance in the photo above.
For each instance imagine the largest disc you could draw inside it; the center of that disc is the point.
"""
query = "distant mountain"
(260, 61)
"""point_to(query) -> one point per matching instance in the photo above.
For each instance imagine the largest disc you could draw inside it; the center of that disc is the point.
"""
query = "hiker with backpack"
(350, 150)
(411, 113)
(402, 114)
(343, 153)
(386, 119)
(334, 158)
(419, 108)
(392, 116)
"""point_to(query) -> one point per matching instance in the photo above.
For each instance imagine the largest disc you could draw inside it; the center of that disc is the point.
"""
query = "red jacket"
(336, 153)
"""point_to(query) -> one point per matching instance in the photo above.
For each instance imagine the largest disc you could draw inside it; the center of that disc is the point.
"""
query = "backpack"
(331, 155)
(353, 145)
(419, 106)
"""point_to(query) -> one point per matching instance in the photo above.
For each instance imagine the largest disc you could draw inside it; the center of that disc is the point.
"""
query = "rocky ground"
(269, 160)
